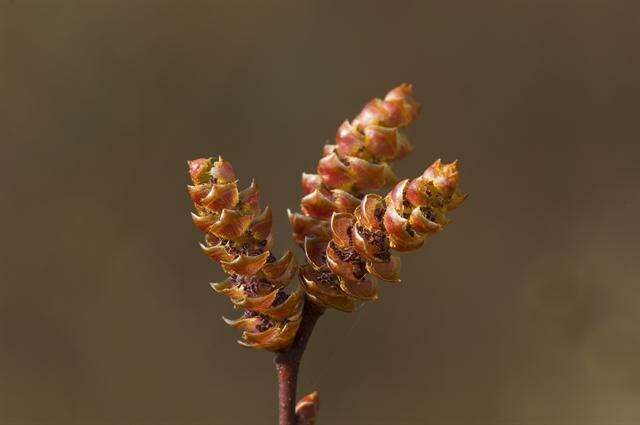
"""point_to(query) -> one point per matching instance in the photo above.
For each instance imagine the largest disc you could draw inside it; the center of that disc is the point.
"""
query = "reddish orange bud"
(363, 229)
(239, 239)
(370, 211)
(307, 409)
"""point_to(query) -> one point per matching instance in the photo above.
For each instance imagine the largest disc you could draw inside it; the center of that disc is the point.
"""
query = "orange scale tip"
(365, 289)
(366, 213)
(381, 142)
(243, 323)
(328, 149)
(284, 338)
(282, 270)
(400, 92)
(370, 176)
(341, 302)
(445, 177)
(199, 170)
(216, 252)
(314, 250)
(422, 224)
(317, 205)
(250, 197)
(399, 236)
(334, 172)
(416, 192)
(378, 112)
(228, 289)
(230, 225)
(261, 224)
(404, 245)
(349, 141)
(395, 198)
(221, 196)
(221, 286)
(310, 281)
(259, 303)
(198, 192)
(245, 265)
(304, 225)
(402, 97)
(288, 308)
(344, 201)
(311, 182)
(260, 338)
(388, 271)
(203, 222)
(340, 224)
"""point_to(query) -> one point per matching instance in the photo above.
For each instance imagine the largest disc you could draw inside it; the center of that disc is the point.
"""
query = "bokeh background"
(526, 310)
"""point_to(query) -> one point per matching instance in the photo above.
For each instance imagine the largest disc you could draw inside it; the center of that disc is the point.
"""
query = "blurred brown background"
(524, 311)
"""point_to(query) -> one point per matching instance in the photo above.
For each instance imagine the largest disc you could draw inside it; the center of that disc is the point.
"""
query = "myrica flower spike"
(348, 235)
(238, 237)
(351, 232)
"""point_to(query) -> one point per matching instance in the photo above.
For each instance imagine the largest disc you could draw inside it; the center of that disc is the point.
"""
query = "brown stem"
(288, 363)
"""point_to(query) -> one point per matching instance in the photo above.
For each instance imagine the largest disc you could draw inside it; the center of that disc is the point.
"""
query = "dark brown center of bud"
(280, 298)
(429, 214)
(379, 240)
(246, 248)
(379, 214)
(265, 321)
(349, 255)
(255, 287)
(328, 279)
